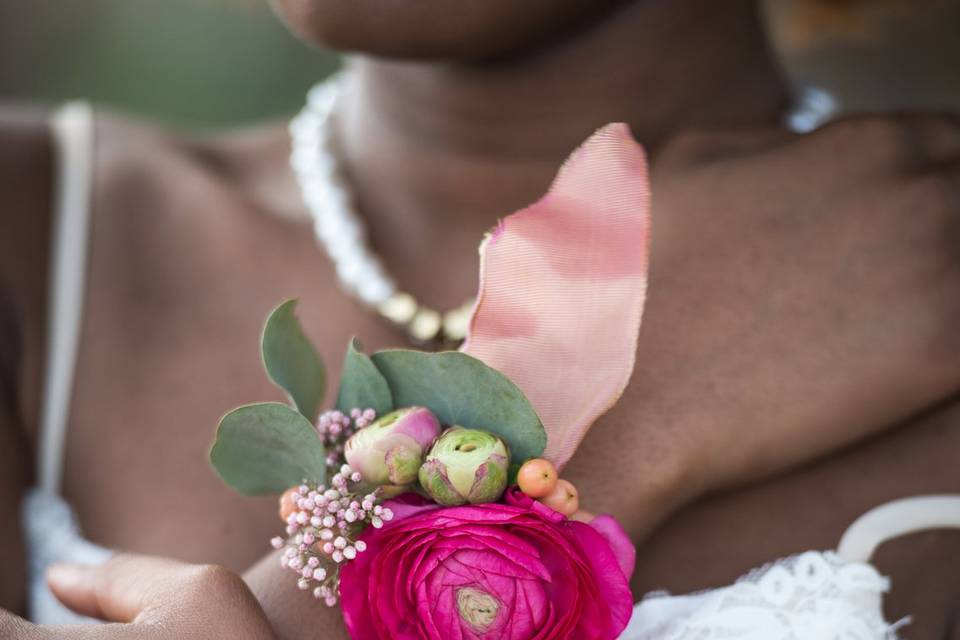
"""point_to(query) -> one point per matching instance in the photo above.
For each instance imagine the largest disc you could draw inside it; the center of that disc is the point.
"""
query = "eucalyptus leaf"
(267, 448)
(513, 471)
(291, 361)
(462, 390)
(361, 383)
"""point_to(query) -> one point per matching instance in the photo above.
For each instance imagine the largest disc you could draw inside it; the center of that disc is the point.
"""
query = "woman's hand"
(803, 297)
(149, 598)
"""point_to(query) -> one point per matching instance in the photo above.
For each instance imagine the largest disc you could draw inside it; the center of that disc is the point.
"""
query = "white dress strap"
(72, 131)
(895, 519)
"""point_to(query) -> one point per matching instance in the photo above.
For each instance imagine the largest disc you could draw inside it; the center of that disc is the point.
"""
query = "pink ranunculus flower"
(489, 571)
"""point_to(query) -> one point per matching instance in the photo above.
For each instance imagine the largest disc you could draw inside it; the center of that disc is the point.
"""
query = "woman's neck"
(438, 151)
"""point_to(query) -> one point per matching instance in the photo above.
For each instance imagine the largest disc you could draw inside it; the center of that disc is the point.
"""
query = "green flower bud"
(465, 465)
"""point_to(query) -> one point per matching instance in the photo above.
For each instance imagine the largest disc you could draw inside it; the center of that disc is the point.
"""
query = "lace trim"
(812, 596)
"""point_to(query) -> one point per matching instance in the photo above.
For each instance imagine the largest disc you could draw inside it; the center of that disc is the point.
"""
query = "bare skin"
(804, 298)
(153, 598)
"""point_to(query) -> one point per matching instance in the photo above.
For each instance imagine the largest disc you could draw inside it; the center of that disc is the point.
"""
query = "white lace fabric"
(811, 596)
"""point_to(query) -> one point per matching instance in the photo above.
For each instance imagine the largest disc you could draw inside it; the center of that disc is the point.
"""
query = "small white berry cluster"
(335, 427)
(324, 529)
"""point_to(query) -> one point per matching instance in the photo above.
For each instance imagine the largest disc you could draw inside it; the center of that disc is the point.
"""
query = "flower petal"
(605, 567)
(623, 549)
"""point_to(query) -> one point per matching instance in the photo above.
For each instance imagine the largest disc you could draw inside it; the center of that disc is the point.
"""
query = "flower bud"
(465, 465)
(389, 451)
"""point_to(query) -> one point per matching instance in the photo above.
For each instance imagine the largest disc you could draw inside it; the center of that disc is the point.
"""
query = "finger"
(182, 598)
(113, 631)
(949, 178)
(118, 590)
(694, 147)
(128, 587)
(13, 627)
(733, 143)
(931, 140)
(903, 142)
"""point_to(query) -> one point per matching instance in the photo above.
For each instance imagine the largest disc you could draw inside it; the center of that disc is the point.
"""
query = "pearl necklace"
(341, 232)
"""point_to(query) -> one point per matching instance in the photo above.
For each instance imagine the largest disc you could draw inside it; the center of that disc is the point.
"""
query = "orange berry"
(537, 477)
(288, 503)
(564, 498)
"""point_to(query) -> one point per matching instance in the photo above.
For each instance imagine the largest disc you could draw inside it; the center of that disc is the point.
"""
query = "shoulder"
(151, 161)
(24, 129)
(26, 179)
(180, 218)
(148, 181)
(170, 207)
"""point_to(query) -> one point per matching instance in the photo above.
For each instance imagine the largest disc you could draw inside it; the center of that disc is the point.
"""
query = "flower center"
(477, 608)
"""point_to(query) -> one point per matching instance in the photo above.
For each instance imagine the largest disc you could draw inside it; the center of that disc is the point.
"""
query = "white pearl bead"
(337, 227)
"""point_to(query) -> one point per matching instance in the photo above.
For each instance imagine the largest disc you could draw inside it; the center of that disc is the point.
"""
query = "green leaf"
(267, 448)
(463, 391)
(291, 361)
(513, 471)
(361, 383)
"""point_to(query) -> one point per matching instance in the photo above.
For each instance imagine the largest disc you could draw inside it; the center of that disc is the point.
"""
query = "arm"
(293, 614)
(151, 598)
(25, 186)
(803, 299)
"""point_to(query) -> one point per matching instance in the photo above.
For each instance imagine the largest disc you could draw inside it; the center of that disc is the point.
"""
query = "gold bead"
(399, 308)
(425, 325)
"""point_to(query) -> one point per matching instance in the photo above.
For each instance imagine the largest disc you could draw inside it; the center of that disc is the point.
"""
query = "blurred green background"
(203, 63)
(196, 63)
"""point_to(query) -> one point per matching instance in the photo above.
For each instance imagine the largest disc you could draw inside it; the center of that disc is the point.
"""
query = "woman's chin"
(435, 29)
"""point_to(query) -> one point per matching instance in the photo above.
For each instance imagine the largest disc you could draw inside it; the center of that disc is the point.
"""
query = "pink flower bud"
(390, 450)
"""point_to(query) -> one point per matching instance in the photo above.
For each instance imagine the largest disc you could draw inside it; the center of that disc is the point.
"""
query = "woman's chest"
(176, 297)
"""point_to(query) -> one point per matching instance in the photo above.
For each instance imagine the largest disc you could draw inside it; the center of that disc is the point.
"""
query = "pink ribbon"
(562, 288)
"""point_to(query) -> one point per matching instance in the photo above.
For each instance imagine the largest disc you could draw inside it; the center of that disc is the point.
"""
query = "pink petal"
(610, 578)
(562, 288)
(619, 541)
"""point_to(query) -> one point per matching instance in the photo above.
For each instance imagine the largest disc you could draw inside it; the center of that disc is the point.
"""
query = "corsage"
(426, 501)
